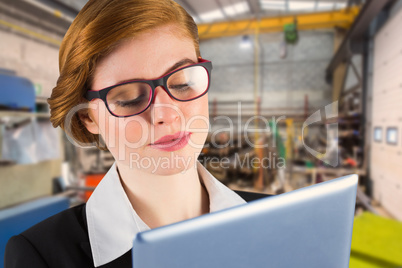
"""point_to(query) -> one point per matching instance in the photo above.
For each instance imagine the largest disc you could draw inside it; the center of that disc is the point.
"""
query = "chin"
(171, 168)
(164, 164)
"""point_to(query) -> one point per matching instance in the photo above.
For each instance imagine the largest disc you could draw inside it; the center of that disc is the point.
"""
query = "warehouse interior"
(306, 80)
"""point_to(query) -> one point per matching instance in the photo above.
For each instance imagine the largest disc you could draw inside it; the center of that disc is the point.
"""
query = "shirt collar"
(113, 223)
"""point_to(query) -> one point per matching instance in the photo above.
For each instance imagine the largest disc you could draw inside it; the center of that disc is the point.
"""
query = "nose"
(163, 110)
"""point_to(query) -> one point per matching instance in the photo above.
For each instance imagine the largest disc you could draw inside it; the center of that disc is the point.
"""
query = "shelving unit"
(24, 182)
(23, 114)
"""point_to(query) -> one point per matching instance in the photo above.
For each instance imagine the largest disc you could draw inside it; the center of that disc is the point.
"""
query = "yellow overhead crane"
(340, 18)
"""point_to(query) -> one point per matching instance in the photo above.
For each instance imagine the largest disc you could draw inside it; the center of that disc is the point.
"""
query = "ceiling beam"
(190, 9)
(316, 5)
(218, 2)
(359, 28)
(341, 18)
(254, 7)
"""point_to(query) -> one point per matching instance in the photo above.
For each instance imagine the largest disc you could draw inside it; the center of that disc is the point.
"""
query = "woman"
(137, 64)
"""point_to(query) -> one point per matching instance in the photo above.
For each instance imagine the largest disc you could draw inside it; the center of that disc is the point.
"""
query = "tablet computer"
(309, 227)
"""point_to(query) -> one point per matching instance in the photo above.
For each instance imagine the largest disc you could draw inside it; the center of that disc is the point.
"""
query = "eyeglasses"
(134, 97)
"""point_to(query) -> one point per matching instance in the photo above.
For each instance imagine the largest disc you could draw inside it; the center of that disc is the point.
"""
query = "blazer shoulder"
(68, 221)
(250, 196)
(58, 232)
(59, 241)
(20, 252)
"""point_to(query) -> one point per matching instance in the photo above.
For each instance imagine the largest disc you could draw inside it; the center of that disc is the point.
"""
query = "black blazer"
(62, 241)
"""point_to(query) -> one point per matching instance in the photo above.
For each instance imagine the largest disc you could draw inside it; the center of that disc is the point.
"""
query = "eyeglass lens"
(133, 98)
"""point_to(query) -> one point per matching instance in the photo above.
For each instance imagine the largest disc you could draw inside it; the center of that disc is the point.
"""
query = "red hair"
(96, 31)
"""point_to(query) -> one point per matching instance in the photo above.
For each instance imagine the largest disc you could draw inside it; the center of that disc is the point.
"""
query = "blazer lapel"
(86, 247)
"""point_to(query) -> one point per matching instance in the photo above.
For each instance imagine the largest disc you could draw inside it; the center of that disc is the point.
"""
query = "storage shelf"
(333, 171)
(23, 114)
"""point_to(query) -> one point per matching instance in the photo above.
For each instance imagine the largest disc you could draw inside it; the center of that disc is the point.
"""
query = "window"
(378, 134)
(392, 135)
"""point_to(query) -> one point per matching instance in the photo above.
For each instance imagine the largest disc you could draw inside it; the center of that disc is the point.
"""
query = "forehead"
(146, 56)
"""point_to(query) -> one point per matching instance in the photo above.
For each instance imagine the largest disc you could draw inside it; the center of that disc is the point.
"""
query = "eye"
(135, 102)
(182, 86)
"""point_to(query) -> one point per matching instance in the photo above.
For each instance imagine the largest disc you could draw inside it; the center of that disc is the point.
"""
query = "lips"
(172, 142)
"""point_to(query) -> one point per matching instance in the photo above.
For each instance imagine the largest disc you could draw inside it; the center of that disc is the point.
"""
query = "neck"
(160, 200)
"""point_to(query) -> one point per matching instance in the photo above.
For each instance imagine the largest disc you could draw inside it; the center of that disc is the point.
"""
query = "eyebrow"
(179, 64)
(175, 66)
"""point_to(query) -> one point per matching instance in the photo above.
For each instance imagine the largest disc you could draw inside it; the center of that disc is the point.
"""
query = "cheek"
(117, 132)
(136, 131)
(196, 107)
(126, 136)
(198, 111)
(197, 119)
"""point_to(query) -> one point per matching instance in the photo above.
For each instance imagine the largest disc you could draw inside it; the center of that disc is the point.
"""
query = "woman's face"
(133, 141)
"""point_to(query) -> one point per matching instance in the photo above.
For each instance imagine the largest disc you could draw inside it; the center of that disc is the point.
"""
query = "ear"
(88, 122)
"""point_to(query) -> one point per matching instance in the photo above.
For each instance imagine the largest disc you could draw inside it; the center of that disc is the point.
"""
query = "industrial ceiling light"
(245, 42)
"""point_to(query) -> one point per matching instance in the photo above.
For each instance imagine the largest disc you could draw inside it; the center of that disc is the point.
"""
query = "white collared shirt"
(113, 223)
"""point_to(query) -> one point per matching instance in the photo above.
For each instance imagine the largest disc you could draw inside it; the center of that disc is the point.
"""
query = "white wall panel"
(386, 159)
